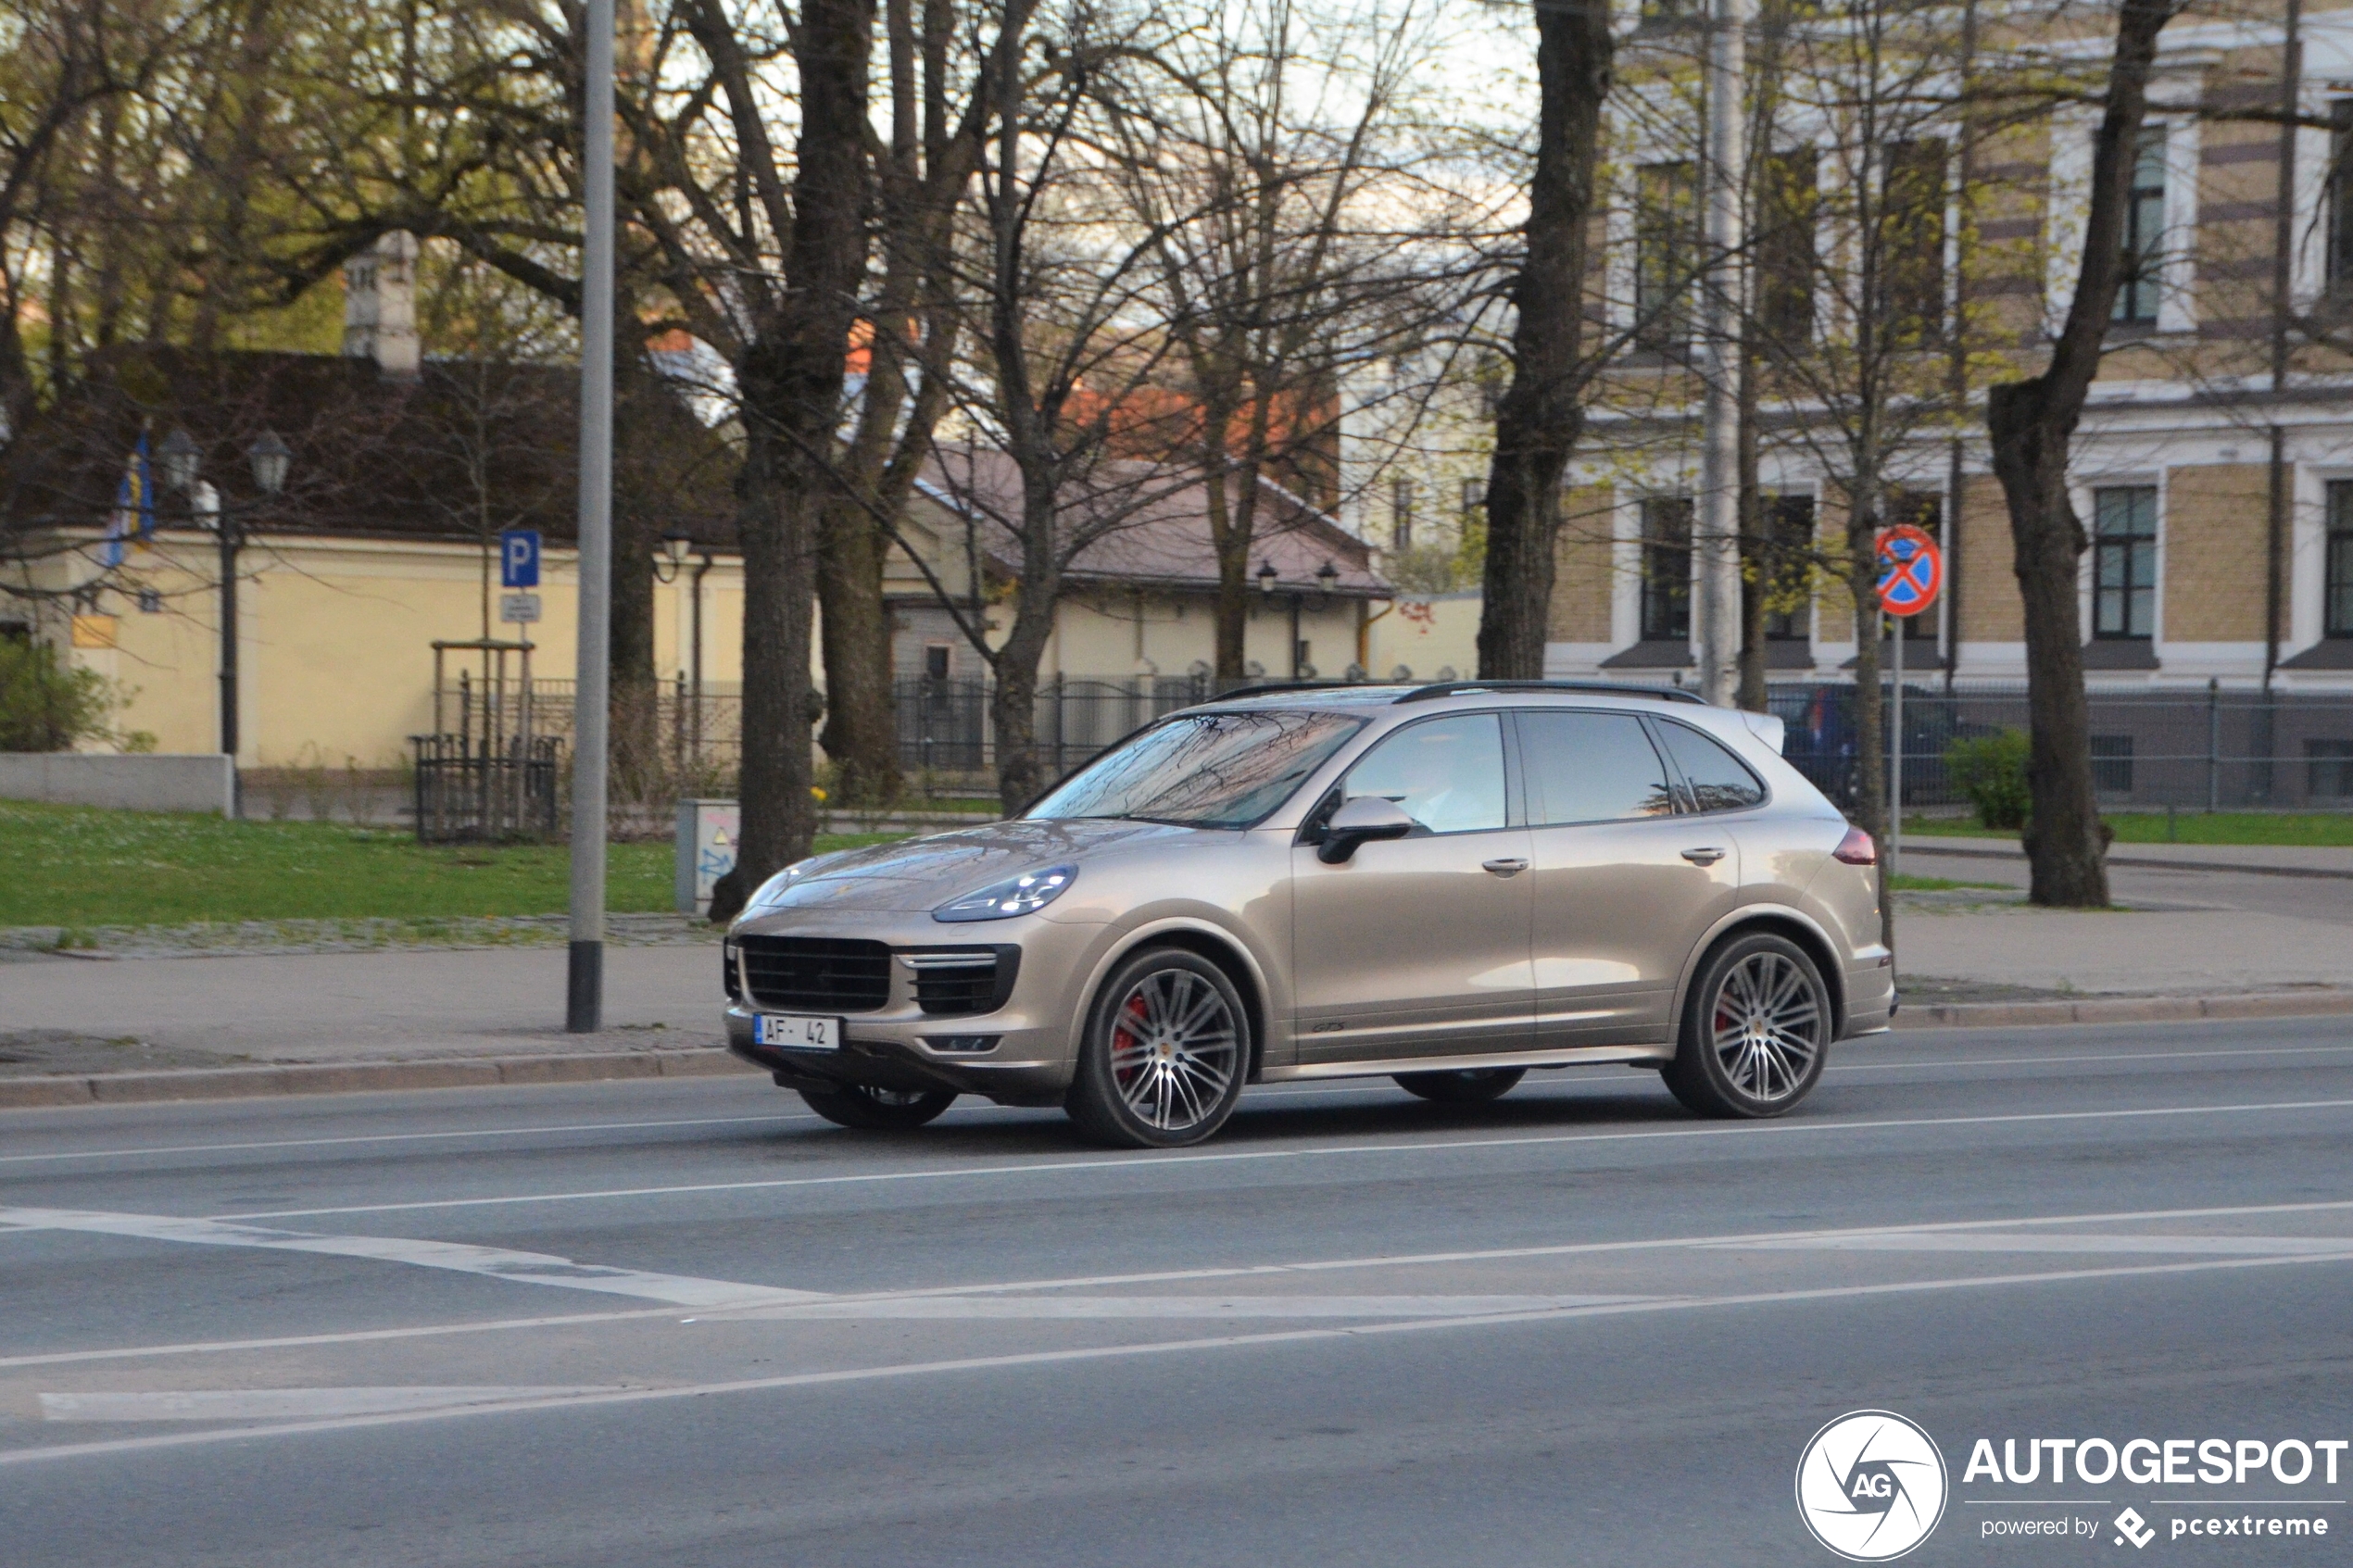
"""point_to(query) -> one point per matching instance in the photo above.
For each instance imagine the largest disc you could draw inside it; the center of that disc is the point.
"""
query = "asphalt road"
(683, 1323)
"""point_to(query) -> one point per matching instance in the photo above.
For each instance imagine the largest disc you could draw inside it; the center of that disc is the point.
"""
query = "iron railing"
(469, 789)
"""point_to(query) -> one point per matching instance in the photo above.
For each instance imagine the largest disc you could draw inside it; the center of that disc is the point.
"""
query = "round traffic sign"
(1911, 569)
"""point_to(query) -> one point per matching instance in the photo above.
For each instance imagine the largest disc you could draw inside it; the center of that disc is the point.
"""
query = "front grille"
(816, 973)
(950, 983)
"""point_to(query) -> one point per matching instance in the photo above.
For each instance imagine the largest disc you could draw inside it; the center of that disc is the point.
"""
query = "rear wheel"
(878, 1111)
(1756, 1029)
(1465, 1086)
(1161, 1063)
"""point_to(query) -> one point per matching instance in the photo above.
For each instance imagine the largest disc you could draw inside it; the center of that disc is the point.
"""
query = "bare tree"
(2031, 422)
(1542, 415)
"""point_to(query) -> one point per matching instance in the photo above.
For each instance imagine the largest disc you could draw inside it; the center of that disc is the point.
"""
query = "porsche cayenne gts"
(1447, 885)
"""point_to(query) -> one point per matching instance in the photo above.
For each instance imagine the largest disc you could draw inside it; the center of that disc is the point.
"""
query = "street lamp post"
(181, 463)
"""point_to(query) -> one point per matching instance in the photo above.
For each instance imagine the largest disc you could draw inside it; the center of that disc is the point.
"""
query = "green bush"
(1990, 770)
(46, 706)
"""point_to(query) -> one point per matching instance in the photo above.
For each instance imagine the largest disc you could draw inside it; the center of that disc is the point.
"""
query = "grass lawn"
(2320, 828)
(79, 866)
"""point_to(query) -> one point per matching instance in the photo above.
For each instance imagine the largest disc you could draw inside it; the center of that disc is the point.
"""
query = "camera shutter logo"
(1872, 1486)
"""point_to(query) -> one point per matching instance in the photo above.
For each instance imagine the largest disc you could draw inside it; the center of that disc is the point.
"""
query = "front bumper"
(900, 1047)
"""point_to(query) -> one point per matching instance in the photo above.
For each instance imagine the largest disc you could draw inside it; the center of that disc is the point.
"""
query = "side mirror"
(1366, 818)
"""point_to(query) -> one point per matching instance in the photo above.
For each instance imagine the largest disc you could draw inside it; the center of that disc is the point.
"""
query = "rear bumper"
(1870, 995)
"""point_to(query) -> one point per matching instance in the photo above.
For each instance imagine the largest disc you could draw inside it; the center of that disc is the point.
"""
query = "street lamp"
(1327, 577)
(675, 543)
(1266, 577)
(182, 464)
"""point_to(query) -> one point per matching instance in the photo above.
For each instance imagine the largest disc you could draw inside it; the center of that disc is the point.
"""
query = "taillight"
(1857, 848)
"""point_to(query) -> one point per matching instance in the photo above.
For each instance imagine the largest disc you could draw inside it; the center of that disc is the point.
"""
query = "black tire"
(1464, 1086)
(1164, 1055)
(878, 1111)
(1756, 1032)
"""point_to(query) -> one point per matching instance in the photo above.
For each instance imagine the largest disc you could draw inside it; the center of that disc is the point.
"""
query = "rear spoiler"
(1769, 728)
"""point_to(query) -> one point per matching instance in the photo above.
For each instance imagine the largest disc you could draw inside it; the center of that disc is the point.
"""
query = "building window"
(2336, 591)
(1474, 499)
(1924, 509)
(935, 661)
(1666, 570)
(1786, 570)
(2329, 764)
(1785, 256)
(1913, 222)
(1666, 248)
(2124, 561)
(2112, 764)
(2144, 233)
(1400, 514)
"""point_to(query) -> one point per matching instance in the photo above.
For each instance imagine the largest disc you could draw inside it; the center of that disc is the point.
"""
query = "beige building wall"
(1584, 568)
(2212, 541)
(1990, 608)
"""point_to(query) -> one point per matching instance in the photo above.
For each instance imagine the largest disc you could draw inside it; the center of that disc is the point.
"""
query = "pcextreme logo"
(1871, 1485)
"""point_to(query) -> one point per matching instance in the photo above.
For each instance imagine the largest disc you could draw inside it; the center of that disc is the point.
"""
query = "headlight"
(1020, 894)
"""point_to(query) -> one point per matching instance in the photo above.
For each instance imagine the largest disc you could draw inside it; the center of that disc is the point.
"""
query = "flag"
(134, 505)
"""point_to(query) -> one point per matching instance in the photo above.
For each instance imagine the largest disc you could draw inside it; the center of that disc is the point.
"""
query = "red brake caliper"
(1126, 1032)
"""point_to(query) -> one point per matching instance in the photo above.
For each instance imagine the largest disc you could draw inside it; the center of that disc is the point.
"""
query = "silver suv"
(1443, 884)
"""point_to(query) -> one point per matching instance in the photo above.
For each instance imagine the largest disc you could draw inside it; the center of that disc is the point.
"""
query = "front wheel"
(1756, 1029)
(878, 1111)
(1165, 1049)
(1464, 1086)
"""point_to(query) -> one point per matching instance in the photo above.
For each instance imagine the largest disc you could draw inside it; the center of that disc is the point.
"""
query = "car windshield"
(1206, 770)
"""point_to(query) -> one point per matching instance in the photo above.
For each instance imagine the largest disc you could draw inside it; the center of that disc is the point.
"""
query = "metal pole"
(1896, 764)
(1717, 540)
(225, 520)
(2213, 742)
(584, 986)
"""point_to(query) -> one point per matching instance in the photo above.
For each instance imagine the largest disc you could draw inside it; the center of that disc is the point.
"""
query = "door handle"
(1503, 868)
(1707, 856)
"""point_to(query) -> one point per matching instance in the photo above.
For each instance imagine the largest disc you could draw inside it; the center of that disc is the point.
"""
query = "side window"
(1719, 781)
(1591, 768)
(1447, 774)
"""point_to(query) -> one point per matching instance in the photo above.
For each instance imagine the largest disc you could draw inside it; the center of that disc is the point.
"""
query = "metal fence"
(472, 789)
(2210, 750)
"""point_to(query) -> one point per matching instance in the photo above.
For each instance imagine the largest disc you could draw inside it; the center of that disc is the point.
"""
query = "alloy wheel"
(1766, 1026)
(1175, 1049)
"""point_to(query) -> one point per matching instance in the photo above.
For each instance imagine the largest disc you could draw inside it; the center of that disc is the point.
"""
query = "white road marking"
(496, 1263)
(1159, 1347)
(1312, 1151)
(287, 1404)
(392, 1138)
(1988, 1241)
(956, 1307)
(1254, 1097)
(1324, 1265)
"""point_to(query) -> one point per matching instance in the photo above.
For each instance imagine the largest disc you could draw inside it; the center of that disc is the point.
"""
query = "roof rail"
(1269, 688)
(1597, 688)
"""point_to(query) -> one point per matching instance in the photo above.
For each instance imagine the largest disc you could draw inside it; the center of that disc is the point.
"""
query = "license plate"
(797, 1033)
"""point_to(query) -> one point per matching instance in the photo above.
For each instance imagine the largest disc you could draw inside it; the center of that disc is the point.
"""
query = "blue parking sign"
(518, 558)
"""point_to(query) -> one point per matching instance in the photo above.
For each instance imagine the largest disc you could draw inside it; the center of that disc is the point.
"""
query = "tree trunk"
(1760, 563)
(776, 525)
(790, 379)
(638, 773)
(2032, 423)
(1541, 413)
(1022, 773)
(862, 731)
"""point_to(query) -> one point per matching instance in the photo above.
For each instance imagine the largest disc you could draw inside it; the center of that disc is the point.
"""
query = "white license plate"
(797, 1033)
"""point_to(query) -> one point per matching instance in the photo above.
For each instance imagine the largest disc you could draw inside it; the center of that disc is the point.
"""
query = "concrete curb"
(479, 1073)
(2126, 1010)
(339, 1078)
(1925, 844)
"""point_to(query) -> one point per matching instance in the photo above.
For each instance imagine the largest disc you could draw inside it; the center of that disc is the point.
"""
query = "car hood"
(919, 874)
